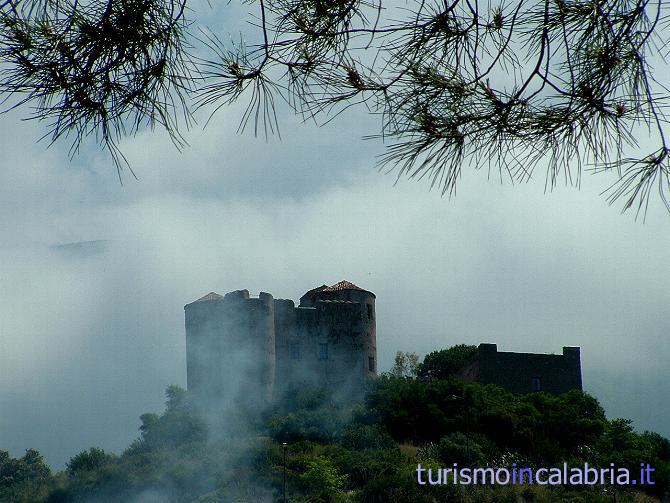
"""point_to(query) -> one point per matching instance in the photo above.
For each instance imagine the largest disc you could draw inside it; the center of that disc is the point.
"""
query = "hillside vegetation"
(356, 453)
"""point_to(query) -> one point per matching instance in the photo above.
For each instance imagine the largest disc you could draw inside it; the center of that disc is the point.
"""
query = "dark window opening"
(536, 384)
(369, 311)
(323, 351)
(294, 350)
(371, 363)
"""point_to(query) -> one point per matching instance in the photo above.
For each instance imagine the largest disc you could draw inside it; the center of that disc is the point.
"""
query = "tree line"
(365, 452)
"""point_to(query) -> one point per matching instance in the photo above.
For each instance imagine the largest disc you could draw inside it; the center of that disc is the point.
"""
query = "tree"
(446, 362)
(30, 467)
(405, 365)
(322, 480)
(87, 461)
(27, 478)
(178, 425)
(506, 86)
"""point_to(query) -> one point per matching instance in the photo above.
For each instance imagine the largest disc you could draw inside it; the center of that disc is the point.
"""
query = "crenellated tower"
(247, 351)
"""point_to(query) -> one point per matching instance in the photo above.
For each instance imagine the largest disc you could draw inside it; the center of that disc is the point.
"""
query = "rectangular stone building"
(525, 372)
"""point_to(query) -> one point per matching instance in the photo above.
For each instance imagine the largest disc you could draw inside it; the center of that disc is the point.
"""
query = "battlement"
(269, 346)
(252, 350)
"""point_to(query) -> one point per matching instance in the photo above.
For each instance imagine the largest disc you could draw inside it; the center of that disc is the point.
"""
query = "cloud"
(91, 332)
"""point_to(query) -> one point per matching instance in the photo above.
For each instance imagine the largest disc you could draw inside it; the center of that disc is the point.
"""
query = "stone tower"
(230, 350)
(346, 323)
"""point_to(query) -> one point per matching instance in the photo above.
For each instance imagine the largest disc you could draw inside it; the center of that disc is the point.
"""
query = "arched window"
(536, 384)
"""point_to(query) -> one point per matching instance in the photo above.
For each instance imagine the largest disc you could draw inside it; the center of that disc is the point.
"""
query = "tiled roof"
(210, 296)
(315, 290)
(344, 285)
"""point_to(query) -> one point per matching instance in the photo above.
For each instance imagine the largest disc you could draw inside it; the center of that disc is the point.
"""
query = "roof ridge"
(210, 296)
(343, 285)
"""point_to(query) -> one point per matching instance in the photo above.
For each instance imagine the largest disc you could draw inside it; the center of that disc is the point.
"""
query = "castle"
(249, 351)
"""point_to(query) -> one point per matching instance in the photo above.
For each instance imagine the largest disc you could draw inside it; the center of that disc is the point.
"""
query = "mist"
(95, 274)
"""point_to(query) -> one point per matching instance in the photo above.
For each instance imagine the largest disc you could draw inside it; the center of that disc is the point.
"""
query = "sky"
(95, 274)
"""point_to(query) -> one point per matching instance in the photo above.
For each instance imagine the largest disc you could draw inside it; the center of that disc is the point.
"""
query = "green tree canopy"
(87, 461)
(23, 479)
(177, 425)
(371, 458)
(446, 362)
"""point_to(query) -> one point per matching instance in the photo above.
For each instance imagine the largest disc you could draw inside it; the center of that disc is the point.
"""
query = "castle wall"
(325, 349)
(526, 372)
(260, 346)
(230, 344)
(339, 329)
(203, 322)
(288, 350)
(360, 351)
